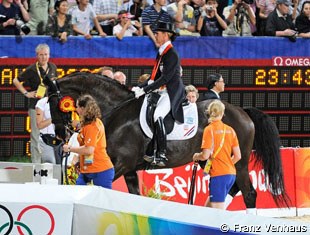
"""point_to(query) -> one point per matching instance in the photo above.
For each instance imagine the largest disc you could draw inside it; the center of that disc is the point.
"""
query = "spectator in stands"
(136, 9)
(197, 6)
(59, 24)
(239, 18)
(215, 84)
(11, 12)
(299, 4)
(83, 19)
(95, 163)
(120, 77)
(191, 93)
(126, 27)
(33, 77)
(220, 146)
(211, 23)
(303, 21)
(265, 8)
(152, 15)
(107, 13)
(106, 71)
(39, 11)
(280, 22)
(182, 15)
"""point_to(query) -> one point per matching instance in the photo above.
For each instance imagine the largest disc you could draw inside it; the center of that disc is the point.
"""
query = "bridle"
(67, 127)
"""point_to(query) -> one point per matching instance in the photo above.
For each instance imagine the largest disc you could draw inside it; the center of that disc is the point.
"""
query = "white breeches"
(163, 105)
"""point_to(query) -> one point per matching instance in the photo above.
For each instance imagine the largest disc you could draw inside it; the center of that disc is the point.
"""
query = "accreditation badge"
(41, 91)
(190, 14)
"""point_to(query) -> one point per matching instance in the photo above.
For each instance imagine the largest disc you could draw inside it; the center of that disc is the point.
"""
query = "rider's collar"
(163, 47)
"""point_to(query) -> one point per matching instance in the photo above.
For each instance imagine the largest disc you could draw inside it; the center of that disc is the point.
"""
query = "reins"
(68, 134)
(117, 107)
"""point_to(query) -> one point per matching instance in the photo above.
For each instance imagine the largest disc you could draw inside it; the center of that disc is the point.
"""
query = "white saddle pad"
(182, 131)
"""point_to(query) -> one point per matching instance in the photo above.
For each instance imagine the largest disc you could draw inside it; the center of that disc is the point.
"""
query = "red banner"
(173, 184)
(302, 177)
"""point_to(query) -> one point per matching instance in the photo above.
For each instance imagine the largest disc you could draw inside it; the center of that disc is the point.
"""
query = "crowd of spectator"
(123, 18)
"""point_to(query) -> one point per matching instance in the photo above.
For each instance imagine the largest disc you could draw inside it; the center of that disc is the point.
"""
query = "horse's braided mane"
(98, 79)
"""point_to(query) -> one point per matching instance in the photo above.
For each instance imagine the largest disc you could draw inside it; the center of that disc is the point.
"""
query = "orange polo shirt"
(93, 134)
(222, 164)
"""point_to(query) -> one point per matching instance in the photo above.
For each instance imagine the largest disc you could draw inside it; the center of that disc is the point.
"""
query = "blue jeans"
(103, 178)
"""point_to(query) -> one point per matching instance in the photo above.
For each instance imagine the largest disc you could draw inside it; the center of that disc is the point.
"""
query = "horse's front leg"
(132, 182)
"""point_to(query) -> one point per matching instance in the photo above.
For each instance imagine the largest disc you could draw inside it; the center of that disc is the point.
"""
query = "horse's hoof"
(148, 158)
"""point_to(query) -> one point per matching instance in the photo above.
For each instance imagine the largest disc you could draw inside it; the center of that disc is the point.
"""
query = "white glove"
(135, 88)
(138, 91)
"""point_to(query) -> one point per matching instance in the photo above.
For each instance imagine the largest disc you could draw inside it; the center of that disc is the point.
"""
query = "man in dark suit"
(167, 89)
(215, 84)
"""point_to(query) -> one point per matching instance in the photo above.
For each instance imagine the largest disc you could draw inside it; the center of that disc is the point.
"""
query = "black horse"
(126, 143)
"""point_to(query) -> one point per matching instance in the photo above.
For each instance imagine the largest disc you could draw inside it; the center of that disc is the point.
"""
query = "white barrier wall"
(17, 172)
(80, 210)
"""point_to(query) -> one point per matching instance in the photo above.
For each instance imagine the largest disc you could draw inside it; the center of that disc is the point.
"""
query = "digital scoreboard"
(282, 92)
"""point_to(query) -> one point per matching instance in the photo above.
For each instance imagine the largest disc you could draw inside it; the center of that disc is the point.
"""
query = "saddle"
(174, 130)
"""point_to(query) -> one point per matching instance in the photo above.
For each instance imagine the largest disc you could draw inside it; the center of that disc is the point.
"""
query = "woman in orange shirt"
(95, 164)
(220, 143)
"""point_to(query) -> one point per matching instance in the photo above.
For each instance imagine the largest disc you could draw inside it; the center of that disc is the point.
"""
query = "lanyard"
(221, 144)
(39, 73)
(155, 68)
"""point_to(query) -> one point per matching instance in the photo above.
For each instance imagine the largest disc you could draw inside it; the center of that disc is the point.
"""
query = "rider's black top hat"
(165, 27)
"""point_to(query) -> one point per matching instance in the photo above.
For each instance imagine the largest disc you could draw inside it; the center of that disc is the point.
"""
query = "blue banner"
(143, 47)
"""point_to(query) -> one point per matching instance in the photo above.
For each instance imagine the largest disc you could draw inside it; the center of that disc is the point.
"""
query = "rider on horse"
(165, 90)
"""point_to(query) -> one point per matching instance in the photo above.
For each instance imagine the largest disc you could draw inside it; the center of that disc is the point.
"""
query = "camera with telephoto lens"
(248, 1)
(22, 26)
(209, 8)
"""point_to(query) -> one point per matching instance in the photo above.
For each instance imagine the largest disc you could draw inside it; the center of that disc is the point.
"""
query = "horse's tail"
(267, 152)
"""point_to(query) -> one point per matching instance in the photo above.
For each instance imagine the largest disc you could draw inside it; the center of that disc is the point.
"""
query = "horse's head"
(61, 117)
(107, 92)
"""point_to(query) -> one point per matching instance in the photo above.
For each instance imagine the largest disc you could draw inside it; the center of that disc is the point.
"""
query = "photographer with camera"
(32, 77)
(126, 27)
(280, 22)
(182, 15)
(240, 17)
(12, 17)
(211, 23)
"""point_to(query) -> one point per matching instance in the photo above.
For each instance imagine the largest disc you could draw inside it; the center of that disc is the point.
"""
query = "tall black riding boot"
(161, 142)
(150, 150)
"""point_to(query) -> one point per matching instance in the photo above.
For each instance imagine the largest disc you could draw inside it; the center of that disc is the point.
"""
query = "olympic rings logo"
(9, 225)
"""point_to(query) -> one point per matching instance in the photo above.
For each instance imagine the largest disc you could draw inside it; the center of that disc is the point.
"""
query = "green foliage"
(16, 159)
(154, 192)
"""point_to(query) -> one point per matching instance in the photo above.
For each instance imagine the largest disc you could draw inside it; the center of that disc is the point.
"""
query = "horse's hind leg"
(248, 192)
(232, 192)
(132, 182)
